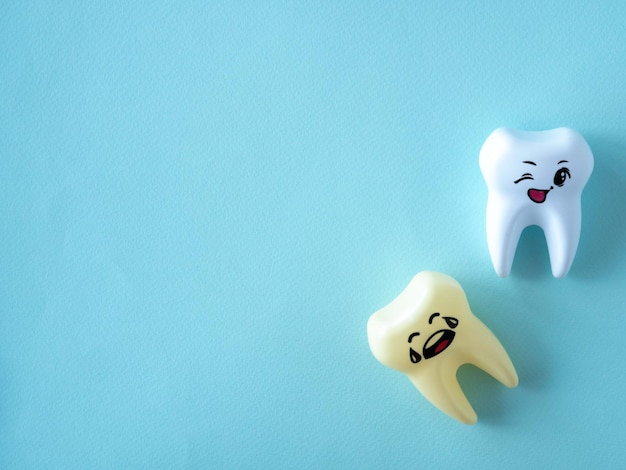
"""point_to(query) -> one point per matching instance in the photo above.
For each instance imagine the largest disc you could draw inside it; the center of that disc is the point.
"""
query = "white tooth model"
(428, 332)
(534, 178)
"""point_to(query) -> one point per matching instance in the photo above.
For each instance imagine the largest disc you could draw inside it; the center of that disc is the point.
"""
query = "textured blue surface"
(202, 205)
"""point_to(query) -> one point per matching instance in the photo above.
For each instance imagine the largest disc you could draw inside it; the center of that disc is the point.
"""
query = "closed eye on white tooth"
(535, 178)
(428, 332)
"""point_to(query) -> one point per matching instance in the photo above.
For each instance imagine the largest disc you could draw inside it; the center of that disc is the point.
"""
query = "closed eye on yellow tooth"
(443, 334)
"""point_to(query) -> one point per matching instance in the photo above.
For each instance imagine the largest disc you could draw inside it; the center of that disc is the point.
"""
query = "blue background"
(201, 205)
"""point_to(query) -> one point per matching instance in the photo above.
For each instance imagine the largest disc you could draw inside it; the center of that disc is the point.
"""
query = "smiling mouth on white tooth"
(538, 195)
(559, 160)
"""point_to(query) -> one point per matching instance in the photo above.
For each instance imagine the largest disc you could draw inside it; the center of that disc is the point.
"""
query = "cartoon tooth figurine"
(428, 332)
(535, 178)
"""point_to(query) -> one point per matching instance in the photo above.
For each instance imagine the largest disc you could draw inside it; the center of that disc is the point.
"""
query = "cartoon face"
(437, 342)
(538, 195)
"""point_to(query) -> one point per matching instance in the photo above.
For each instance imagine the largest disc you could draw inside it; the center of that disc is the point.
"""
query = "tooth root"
(562, 235)
(430, 303)
(503, 233)
(444, 391)
(535, 178)
(493, 359)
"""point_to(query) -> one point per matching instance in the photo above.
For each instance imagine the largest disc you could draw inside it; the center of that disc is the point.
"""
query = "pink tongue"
(537, 195)
(441, 346)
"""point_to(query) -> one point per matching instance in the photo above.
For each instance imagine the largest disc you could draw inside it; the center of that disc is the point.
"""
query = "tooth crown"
(535, 178)
(410, 310)
(428, 332)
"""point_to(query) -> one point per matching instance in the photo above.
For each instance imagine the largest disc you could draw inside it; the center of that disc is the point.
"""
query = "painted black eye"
(560, 176)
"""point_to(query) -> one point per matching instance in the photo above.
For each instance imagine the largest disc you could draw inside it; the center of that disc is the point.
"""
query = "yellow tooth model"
(428, 332)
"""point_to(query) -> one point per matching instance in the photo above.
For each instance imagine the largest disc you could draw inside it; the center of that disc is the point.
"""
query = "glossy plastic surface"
(428, 332)
(535, 178)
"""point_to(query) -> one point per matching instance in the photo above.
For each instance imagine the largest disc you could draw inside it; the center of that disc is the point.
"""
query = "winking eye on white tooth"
(535, 178)
(428, 332)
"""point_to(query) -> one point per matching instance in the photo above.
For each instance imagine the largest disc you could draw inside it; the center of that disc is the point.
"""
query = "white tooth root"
(562, 239)
(502, 237)
(535, 178)
(431, 317)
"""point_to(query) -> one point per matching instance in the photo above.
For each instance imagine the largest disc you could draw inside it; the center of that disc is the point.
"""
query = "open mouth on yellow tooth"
(437, 343)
